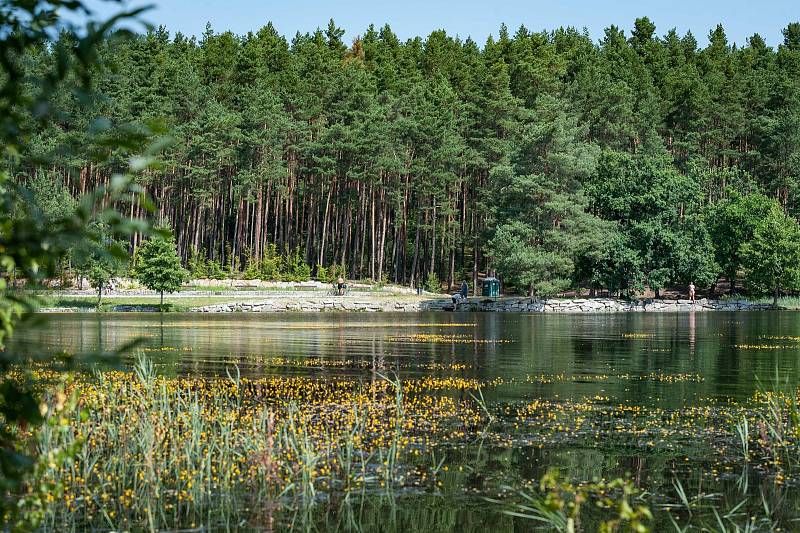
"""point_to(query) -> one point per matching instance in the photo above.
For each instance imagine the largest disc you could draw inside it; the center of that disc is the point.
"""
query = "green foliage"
(335, 272)
(39, 224)
(276, 267)
(197, 264)
(561, 505)
(51, 197)
(528, 263)
(159, 266)
(771, 259)
(659, 211)
(100, 260)
(252, 268)
(200, 266)
(271, 264)
(433, 283)
(294, 268)
(543, 227)
(732, 223)
(676, 125)
(213, 269)
(381, 157)
(322, 274)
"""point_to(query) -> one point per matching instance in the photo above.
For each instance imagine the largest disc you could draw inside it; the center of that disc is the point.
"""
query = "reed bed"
(149, 452)
(167, 453)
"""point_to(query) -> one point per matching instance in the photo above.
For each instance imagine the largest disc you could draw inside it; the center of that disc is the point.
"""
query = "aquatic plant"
(169, 452)
(777, 415)
(561, 505)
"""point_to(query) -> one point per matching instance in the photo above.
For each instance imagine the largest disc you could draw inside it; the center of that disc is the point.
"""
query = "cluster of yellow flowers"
(177, 444)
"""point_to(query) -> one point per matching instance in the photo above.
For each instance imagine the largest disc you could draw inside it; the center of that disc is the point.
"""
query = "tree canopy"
(555, 160)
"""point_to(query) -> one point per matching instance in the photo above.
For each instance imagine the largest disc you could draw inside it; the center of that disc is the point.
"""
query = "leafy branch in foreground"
(31, 245)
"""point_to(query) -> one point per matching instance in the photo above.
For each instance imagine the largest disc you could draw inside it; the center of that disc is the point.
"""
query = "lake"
(667, 364)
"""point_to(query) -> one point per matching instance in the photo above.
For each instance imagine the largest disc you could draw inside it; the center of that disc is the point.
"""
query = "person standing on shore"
(464, 289)
(691, 291)
(340, 286)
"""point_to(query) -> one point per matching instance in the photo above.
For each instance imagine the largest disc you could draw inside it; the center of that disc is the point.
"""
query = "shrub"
(322, 273)
(214, 270)
(197, 264)
(295, 267)
(271, 264)
(432, 283)
(335, 272)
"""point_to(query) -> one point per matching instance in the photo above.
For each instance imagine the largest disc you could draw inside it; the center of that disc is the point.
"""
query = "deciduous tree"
(159, 267)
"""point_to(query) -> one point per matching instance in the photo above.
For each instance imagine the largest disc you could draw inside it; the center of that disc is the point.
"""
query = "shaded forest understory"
(557, 161)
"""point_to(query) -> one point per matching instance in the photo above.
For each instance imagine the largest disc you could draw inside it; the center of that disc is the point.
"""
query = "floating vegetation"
(371, 325)
(199, 453)
(167, 349)
(444, 339)
(780, 337)
(163, 450)
(762, 346)
(672, 378)
(652, 376)
(312, 362)
(444, 366)
(320, 362)
(563, 505)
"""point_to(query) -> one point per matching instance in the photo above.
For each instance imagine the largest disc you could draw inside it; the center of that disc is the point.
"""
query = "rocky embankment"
(600, 305)
(311, 305)
(519, 305)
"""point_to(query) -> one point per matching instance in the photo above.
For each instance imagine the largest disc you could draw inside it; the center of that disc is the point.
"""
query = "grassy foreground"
(182, 452)
(138, 451)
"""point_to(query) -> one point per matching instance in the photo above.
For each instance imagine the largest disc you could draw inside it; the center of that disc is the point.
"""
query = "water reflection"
(512, 347)
(602, 357)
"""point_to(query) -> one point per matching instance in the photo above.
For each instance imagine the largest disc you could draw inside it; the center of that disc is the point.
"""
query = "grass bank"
(185, 303)
(111, 303)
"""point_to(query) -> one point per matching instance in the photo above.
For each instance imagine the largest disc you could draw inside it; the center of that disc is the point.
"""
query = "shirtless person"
(691, 291)
(340, 286)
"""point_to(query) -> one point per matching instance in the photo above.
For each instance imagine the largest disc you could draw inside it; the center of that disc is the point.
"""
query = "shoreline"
(364, 303)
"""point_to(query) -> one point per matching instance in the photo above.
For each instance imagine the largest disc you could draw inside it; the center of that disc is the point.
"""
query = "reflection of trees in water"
(698, 343)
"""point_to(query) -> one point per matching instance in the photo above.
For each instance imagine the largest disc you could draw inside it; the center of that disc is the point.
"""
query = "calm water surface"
(714, 345)
(596, 356)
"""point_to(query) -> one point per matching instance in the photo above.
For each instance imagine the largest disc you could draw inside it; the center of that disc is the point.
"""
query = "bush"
(433, 284)
(295, 268)
(197, 264)
(335, 272)
(214, 270)
(322, 273)
(252, 270)
(271, 264)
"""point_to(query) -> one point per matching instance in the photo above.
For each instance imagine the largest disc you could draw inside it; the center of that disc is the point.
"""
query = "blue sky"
(478, 19)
